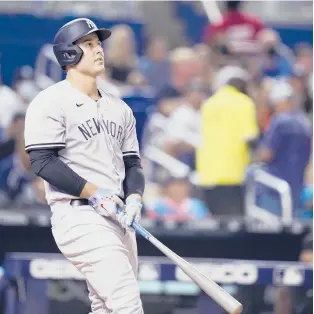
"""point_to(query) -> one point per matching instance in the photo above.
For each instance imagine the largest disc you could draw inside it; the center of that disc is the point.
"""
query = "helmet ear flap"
(67, 54)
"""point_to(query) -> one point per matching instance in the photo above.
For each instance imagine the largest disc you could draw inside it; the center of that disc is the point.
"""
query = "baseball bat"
(223, 298)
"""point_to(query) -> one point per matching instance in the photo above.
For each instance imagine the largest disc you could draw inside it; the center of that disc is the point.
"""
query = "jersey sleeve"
(130, 146)
(44, 125)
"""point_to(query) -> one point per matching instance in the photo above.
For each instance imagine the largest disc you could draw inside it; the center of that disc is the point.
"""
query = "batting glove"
(133, 207)
(105, 203)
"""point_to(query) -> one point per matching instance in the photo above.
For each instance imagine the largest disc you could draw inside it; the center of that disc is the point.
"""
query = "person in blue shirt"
(13, 164)
(279, 66)
(286, 146)
(277, 59)
(306, 206)
(155, 65)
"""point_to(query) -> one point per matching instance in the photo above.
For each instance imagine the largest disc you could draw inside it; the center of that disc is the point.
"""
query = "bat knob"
(238, 309)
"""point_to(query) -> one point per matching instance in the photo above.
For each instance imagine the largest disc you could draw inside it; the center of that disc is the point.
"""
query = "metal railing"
(283, 189)
(174, 166)
(178, 169)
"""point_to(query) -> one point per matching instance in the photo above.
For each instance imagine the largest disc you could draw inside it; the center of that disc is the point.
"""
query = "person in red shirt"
(237, 31)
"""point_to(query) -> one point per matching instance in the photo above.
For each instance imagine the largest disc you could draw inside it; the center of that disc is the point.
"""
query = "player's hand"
(105, 203)
(133, 207)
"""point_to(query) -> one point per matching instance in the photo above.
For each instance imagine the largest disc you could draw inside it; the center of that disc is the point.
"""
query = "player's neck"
(86, 84)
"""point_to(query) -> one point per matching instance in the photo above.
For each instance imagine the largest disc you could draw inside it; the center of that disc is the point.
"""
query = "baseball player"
(82, 141)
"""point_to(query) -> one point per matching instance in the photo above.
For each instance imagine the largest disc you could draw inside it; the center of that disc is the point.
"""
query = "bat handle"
(138, 228)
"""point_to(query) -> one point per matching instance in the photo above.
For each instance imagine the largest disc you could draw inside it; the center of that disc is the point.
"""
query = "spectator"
(307, 202)
(303, 69)
(10, 104)
(155, 65)
(182, 130)
(137, 80)
(286, 146)
(207, 63)
(301, 96)
(177, 204)
(307, 192)
(14, 135)
(183, 69)
(304, 59)
(261, 99)
(277, 60)
(14, 168)
(24, 84)
(120, 54)
(154, 129)
(228, 124)
(184, 66)
(236, 32)
(175, 129)
(154, 136)
(138, 87)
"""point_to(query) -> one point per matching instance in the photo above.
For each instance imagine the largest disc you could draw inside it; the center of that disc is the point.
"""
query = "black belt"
(79, 202)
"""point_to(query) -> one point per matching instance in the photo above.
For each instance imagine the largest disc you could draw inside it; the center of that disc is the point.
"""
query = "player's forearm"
(46, 164)
(134, 182)
(89, 189)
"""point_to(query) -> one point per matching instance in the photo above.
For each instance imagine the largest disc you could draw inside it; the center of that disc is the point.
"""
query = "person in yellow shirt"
(228, 125)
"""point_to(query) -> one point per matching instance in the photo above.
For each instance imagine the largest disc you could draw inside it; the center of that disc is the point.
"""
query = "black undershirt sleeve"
(46, 164)
(7, 148)
(134, 182)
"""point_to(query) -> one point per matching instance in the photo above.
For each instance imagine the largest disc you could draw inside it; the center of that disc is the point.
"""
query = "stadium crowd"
(238, 101)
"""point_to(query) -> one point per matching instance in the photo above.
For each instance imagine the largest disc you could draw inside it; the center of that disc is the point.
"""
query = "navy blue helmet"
(64, 47)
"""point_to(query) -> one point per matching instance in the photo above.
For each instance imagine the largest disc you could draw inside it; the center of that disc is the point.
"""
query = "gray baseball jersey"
(93, 137)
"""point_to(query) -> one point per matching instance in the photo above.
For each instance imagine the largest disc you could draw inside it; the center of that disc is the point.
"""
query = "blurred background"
(222, 92)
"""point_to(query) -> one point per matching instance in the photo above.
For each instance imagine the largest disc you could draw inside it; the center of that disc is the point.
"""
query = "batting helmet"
(64, 47)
